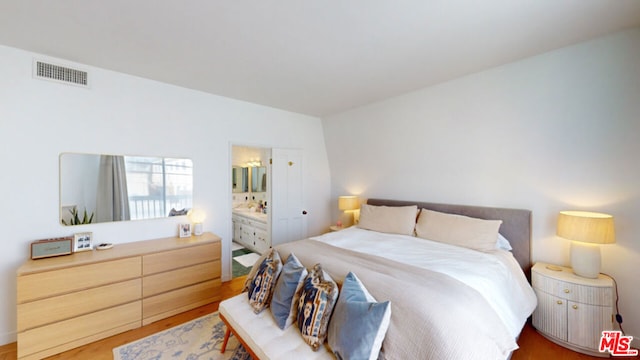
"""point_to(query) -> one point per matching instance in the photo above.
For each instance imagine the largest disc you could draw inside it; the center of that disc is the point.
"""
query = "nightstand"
(336, 228)
(572, 311)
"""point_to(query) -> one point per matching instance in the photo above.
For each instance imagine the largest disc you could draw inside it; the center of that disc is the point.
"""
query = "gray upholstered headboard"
(516, 223)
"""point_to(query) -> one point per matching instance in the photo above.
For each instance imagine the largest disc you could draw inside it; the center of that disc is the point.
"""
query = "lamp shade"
(196, 216)
(348, 203)
(590, 227)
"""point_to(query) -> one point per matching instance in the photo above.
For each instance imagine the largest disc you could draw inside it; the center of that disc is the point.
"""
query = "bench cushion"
(263, 336)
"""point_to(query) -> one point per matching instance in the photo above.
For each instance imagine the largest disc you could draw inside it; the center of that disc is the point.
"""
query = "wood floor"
(532, 345)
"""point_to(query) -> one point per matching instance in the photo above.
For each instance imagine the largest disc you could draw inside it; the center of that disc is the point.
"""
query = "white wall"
(548, 133)
(123, 114)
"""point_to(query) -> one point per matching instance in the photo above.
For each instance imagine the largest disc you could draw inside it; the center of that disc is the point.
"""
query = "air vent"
(62, 74)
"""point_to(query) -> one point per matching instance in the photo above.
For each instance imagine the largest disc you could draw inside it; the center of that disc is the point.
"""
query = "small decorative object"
(82, 241)
(51, 247)
(175, 212)
(104, 246)
(184, 230)
(339, 223)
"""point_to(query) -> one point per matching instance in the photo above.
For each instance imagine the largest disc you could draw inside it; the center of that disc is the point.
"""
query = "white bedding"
(495, 275)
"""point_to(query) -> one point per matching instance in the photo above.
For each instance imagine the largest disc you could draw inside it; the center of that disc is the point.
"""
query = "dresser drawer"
(175, 259)
(180, 300)
(170, 280)
(64, 335)
(576, 292)
(66, 306)
(45, 284)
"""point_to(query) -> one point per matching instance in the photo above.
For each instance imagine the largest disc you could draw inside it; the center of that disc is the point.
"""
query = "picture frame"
(82, 241)
(184, 230)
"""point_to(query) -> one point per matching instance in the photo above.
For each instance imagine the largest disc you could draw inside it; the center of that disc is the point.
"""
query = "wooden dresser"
(68, 301)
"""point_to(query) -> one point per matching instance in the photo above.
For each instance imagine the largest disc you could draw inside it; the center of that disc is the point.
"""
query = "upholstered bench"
(261, 336)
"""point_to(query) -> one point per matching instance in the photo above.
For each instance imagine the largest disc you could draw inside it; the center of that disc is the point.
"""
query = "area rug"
(199, 339)
(247, 260)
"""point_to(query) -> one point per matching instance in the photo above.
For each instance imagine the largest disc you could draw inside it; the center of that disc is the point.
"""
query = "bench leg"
(226, 339)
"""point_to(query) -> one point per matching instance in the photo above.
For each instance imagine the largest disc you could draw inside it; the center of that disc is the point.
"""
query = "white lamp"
(197, 217)
(587, 230)
(349, 205)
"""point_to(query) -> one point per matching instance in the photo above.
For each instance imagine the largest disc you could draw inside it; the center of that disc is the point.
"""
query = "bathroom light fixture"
(587, 230)
(253, 163)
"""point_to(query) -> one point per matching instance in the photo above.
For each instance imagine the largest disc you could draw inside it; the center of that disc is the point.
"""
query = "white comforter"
(495, 275)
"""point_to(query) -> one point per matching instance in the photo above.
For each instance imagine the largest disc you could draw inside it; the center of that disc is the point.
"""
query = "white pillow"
(473, 233)
(503, 243)
(388, 219)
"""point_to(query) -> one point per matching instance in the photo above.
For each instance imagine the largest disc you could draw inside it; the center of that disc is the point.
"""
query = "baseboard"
(8, 338)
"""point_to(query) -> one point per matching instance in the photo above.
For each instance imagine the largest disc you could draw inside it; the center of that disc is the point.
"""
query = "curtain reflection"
(113, 199)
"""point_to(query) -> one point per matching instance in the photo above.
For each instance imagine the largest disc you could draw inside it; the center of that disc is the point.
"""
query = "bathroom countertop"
(251, 213)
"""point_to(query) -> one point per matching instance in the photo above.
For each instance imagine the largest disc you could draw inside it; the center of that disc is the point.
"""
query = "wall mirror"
(96, 188)
(258, 179)
(240, 179)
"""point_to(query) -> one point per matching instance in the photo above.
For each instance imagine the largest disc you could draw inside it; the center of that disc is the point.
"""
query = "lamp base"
(197, 227)
(585, 259)
(346, 218)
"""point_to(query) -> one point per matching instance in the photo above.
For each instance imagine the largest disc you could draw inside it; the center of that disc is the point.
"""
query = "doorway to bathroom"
(267, 202)
(251, 197)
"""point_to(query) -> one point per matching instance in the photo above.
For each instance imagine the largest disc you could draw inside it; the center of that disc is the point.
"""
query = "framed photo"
(184, 230)
(82, 241)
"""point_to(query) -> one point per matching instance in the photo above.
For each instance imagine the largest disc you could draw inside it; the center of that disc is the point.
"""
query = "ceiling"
(312, 57)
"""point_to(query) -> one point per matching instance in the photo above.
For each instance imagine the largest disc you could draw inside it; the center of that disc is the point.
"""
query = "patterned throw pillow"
(315, 304)
(284, 304)
(252, 273)
(264, 281)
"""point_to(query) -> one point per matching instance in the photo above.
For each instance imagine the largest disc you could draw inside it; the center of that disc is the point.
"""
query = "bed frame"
(516, 223)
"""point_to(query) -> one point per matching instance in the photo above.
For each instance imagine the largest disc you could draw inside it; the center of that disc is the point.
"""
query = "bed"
(447, 301)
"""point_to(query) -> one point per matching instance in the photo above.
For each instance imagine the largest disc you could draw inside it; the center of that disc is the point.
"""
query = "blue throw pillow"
(318, 295)
(261, 288)
(359, 323)
(284, 300)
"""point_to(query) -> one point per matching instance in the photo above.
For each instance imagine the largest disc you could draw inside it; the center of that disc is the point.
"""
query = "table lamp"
(197, 217)
(349, 205)
(587, 230)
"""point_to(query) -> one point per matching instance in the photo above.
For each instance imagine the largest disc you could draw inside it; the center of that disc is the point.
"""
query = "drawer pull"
(575, 307)
(566, 291)
(559, 302)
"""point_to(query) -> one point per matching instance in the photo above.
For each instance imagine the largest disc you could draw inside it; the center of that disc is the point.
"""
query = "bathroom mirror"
(258, 179)
(239, 179)
(96, 188)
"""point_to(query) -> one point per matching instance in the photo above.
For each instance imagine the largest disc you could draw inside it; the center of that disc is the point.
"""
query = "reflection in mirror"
(239, 179)
(258, 179)
(118, 188)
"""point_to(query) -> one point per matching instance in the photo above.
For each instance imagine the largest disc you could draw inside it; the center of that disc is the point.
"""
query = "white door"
(288, 222)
